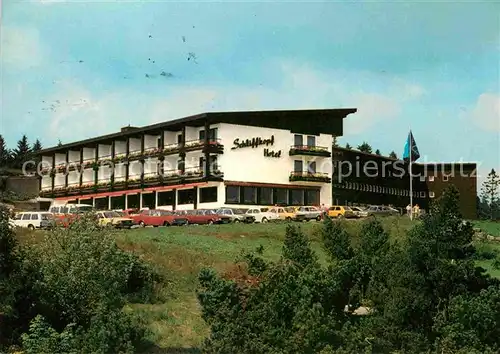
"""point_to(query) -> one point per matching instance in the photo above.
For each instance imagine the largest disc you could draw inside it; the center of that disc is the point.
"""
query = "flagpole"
(411, 179)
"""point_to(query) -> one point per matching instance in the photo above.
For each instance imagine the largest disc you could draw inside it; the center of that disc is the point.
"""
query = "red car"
(153, 218)
(200, 216)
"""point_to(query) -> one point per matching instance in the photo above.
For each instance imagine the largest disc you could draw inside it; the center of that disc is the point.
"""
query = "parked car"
(67, 213)
(237, 215)
(114, 219)
(128, 212)
(181, 217)
(34, 220)
(287, 213)
(309, 213)
(262, 215)
(340, 211)
(207, 216)
(359, 212)
(380, 210)
(153, 218)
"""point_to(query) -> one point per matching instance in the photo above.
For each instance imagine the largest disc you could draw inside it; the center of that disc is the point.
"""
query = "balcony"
(104, 159)
(59, 190)
(309, 150)
(73, 188)
(103, 185)
(214, 145)
(152, 179)
(306, 176)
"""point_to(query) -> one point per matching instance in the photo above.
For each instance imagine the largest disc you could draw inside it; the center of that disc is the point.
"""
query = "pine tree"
(5, 153)
(347, 146)
(490, 193)
(377, 152)
(393, 155)
(365, 147)
(22, 153)
(37, 146)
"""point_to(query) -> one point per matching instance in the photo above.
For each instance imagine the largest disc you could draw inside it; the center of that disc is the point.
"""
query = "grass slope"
(179, 253)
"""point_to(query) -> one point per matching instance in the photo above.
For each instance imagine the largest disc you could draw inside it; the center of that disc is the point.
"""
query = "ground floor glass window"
(208, 195)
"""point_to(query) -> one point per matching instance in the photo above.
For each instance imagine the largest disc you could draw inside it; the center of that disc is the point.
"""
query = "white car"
(262, 214)
(34, 220)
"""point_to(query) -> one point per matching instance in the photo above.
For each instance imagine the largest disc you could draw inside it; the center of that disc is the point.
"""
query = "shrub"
(422, 293)
(79, 282)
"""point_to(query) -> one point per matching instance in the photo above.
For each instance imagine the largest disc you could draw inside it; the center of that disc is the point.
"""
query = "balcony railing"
(309, 150)
(103, 184)
(306, 176)
(104, 158)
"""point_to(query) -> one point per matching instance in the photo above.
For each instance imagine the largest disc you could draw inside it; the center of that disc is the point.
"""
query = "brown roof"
(308, 121)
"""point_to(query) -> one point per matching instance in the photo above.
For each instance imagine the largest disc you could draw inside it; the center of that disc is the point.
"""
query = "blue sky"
(72, 70)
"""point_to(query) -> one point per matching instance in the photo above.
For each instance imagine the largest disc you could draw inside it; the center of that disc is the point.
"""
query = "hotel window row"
(271, 196)
(383, 190)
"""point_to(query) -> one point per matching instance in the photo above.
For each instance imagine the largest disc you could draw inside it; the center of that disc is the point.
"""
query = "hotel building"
(203, 161)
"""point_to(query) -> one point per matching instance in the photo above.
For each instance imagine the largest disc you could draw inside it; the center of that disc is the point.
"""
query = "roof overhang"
(308, 121)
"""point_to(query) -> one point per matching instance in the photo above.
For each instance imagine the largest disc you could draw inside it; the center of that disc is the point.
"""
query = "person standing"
(408, 210)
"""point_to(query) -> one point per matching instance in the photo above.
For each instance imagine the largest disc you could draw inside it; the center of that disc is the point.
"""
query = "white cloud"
(302, 88)
(486, 113)
(20, 47)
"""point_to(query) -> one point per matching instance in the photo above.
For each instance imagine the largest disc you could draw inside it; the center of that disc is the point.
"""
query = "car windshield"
(221, 211)
(47, 216)
(240, 211)
(111, 214)
(347, 208)
(290, 210)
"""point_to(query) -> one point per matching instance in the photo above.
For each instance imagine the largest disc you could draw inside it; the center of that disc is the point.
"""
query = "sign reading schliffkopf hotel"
(254, 142)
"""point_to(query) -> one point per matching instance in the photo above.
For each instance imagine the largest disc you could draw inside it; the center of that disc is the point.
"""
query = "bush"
(422, 292)
(80, 282)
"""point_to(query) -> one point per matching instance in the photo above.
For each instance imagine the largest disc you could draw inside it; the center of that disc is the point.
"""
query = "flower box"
(87, 163)
(60, 167)
(152, 151)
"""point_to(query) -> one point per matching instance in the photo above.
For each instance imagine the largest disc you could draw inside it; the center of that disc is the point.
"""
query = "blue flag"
(411, 144)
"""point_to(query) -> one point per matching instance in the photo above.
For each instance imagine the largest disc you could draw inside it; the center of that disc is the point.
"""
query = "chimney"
(128, 129)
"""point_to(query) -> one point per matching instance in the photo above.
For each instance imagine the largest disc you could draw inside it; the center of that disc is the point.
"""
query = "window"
(446, 178)
(208, 195)
(311, 140)
(281, 196)
(26, 216)
(185, 196)
(148, 200)
(118, 202)
(297, 140)
(312, 197)
(296, 196)
(297, 166)
(422, 178)
(201, 162)
(431, 178)
(431, 195)
(266, 196)
(179, 139)
(249, 195)
(54, 210)
(166, 198)
(133, 201)
(312, 167)
(180, 165)
(232, 194)
(422, 194)
(212, 134)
